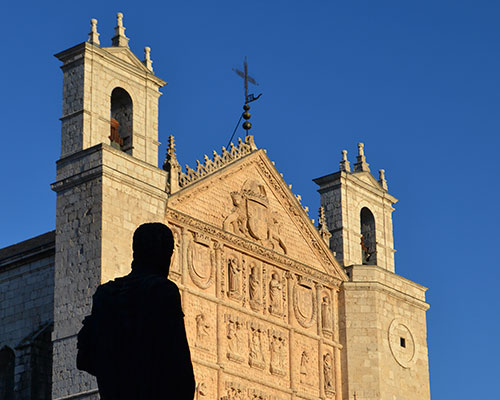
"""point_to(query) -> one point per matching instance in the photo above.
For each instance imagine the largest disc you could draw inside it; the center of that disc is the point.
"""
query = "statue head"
(153, 245)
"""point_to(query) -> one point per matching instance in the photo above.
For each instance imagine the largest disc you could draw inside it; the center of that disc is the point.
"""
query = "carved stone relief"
(255, 287)
(175, 262)
(252, 218)
(234, 391)
(201, 260)
(278, 353)
(256, 354)
(202, 331)
(328, 380)
(275, 294)
(326, 315)
(234, 337)
(304, 367)
(304, 302)
(234, 274)
(201, 391)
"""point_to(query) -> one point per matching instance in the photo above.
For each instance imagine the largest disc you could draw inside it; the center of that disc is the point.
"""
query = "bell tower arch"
(382, 315)
(107, 183)
(106, 90)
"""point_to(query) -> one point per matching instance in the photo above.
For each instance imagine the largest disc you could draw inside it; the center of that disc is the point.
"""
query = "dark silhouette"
(134, 341)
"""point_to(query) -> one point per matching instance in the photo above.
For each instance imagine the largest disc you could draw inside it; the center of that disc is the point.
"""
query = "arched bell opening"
(121, 120)
(368, 238)
(7, 364)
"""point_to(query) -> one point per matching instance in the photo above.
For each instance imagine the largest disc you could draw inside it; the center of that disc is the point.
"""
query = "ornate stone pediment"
(249, 199)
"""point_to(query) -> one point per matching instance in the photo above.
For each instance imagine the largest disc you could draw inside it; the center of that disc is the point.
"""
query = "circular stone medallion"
(402, 343)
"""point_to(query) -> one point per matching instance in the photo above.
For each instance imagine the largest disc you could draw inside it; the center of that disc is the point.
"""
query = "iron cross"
(244, 74)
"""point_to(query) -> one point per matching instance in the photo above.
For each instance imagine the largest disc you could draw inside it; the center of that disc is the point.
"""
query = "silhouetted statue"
(134, 341)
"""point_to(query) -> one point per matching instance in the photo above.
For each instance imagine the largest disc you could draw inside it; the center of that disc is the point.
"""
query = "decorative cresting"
(252, 218)
(201, 260)
(304, 301)
(178, 179)
(322, 227)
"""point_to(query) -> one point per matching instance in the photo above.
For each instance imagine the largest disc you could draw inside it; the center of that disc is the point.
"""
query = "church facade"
(275, 307)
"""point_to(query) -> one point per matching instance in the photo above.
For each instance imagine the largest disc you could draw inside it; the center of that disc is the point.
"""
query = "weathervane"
(248, 97)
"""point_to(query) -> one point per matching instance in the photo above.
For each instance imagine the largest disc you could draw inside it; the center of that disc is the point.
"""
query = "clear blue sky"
(417, 81)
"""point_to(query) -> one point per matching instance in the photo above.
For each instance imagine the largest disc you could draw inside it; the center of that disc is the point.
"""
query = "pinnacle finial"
(93, 35)
(147, 58)
(361, 164)
(344, 163)
(172, 166)
(322, 227)
(381, 179)
(120, 40)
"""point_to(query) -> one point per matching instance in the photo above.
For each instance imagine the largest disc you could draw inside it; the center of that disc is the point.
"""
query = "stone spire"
(322, 228)
(172, 166)
(381, 179)
(93, 35)
(120, 40)
(361, 164)
(147, 58)
(344, 164)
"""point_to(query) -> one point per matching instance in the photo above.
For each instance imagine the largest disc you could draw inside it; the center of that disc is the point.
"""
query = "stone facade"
(275, 308)
(26, 312)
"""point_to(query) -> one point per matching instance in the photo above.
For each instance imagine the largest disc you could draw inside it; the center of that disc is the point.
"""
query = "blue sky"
(417, 82)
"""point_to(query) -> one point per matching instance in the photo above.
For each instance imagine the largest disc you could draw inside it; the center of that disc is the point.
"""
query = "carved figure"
(275, 294)
(273, 233)
(202, 328)
(254, 285)
(277, 355)
(234, 340)
(255, 345)
(326, 314)
(234, 271)
(328, 373)
(304, 363)
(236, 221)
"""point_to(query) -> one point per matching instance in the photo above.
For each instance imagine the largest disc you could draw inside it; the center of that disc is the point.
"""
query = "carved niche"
(202, 331)
(275, 294)
(278, 353)
(255, 286)
(304, 301)
(255, 348)
(201, 260)
(234, 276)
(175, 262)
(252, 218)
(328, 380)
(234, 336)
(326, 315)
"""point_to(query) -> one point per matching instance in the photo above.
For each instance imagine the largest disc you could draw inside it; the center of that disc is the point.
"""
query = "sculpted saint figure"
(275, 294)
(326, 314)
(328, 372)
(254, 285)
(234, 270)
(134, 341)
(202, 328)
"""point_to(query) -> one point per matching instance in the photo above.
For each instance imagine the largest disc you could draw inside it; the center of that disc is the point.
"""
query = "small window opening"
(402, 342)
(368, 242)
(121, 120)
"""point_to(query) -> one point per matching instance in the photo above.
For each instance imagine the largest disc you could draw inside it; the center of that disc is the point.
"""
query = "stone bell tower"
(108, 182)
(382, 315)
